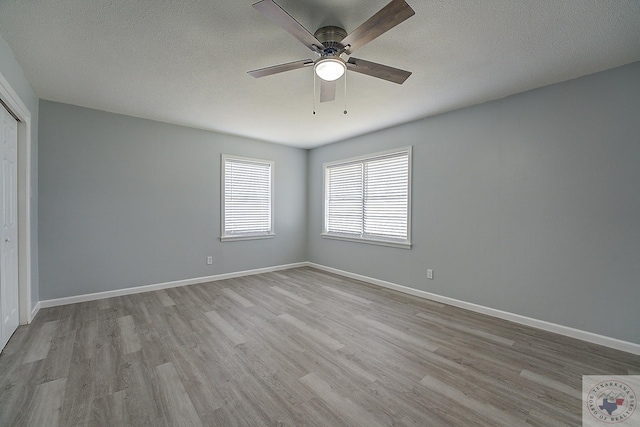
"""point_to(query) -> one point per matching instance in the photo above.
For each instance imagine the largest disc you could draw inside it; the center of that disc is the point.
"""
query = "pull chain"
(314, 92)
(345, 91)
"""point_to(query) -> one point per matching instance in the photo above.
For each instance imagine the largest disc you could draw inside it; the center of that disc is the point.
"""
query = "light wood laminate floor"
(291, 348)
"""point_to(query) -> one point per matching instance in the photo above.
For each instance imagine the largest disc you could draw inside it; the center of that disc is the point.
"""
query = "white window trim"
(256, 236)
(380, 242)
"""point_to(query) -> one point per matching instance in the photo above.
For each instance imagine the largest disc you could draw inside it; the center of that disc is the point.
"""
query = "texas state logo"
(610, 400)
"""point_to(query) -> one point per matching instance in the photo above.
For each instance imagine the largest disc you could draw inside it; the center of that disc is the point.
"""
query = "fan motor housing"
(331, 36)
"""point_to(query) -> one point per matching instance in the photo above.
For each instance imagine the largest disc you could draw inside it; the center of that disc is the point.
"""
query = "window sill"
(392, 244)
(238, 238)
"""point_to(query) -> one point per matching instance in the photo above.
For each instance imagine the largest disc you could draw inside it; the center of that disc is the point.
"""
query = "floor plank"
(237, 298)
(314, 334)
(344, 406)
(129, 339)
(225, 327)
(176, 402)
(47, 401)
(41, 343)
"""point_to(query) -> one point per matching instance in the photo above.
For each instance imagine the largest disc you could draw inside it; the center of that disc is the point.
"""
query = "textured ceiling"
(185, 62)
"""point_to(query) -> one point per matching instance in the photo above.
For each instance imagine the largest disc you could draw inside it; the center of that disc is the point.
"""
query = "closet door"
(9, 232)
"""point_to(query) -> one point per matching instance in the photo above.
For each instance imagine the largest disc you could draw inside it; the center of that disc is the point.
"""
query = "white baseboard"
(148, 288)
(516, 318)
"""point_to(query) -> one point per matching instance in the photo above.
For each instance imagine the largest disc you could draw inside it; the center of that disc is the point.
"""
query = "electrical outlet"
(429, 274)
(209, 260)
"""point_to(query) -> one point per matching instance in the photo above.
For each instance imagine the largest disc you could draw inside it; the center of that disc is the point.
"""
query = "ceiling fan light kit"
(330, 69)
(333, 45)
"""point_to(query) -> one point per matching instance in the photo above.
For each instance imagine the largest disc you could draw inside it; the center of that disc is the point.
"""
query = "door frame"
(11, 99)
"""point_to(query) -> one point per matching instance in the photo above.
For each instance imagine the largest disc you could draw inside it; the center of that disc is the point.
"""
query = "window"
(247, 198)
(368, 199)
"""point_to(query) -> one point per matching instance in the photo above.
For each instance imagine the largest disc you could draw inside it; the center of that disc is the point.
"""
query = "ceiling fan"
(332, 44)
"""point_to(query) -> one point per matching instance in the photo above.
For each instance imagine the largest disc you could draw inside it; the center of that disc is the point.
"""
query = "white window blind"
(368, 198)
(247, 198)
(345, 195)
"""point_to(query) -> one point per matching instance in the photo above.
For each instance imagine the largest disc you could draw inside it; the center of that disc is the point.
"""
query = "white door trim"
(19, 109)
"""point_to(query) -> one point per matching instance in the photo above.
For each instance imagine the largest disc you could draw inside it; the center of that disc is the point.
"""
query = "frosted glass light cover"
(330, 69)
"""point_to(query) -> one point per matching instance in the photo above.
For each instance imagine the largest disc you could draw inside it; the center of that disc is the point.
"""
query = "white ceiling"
(185, 62)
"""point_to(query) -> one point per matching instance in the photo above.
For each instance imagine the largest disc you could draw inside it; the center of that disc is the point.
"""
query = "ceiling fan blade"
(385, 19)
(380, 71)
(280, 16)
(262, 72)
(327, 91)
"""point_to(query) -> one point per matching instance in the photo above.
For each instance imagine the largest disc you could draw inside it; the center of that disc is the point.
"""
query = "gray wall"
(127, 202)
(12, 71)
(529, 204)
